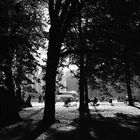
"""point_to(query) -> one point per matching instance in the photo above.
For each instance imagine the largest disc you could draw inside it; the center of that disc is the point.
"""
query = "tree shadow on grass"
(98, 127)
(31, 133)
(35, 113)
(22, 129)
(21, 132)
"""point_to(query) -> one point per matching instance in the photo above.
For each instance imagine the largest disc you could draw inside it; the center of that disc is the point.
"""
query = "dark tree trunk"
(18, 81)
(128, 82)
(130, 99)
(86, 85)
(20, 100)
(86, 98)
(52, 64)
(81, 89)
(9, 111)
(82, 75)
(81, 80)
(60, 18)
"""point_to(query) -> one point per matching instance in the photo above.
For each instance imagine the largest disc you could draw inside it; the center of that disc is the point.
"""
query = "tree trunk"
(86, 85)
(128, 80)
(82, 75)
(20, 101)
(60, 19)
(9, 111)
(130, 99)
(52, 64)
(18, 81)
(86, 98)
(81, 88)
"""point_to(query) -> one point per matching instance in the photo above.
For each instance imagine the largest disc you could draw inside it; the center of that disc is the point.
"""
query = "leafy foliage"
(26, 36)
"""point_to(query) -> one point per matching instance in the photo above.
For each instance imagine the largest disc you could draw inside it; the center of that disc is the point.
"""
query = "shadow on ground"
(23, 128)
(97, 127)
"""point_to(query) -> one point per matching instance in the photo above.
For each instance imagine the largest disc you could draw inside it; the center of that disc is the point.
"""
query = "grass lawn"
(107, 122)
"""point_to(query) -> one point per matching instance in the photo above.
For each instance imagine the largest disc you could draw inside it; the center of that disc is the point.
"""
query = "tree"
(127, 33)
(9, 112)
(116, 31)
(61, 14)
(18, 57)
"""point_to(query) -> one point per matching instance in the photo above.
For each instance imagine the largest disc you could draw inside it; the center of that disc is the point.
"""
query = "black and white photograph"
(69, 69)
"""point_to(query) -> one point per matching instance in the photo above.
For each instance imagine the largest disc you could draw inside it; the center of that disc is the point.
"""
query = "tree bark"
(128, 86)
(81, 89)
(82, 75)
(52, 64)
(130, 99)
(86, 98)
(60, 19)
(9, 111)
(128, 82)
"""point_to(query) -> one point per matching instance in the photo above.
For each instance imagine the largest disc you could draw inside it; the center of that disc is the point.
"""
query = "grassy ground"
(107, 123)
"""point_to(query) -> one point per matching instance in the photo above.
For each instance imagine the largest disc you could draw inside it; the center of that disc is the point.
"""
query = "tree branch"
(51, 10)
(65, 9)
(103, 53)
(66, 17)
(58, 6)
